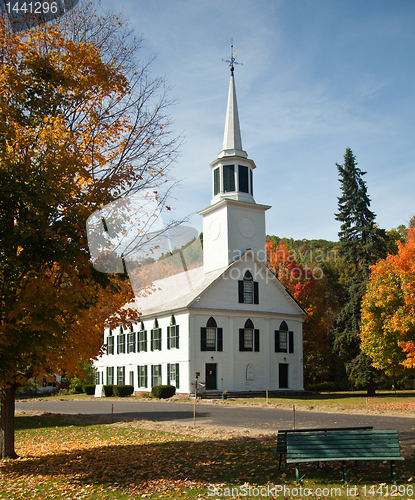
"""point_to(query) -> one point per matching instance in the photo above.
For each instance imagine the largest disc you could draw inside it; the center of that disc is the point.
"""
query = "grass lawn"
(65, 460)
(401, 401)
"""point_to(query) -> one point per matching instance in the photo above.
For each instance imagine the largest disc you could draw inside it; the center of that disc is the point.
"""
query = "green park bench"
(281, 448)
(346, 445)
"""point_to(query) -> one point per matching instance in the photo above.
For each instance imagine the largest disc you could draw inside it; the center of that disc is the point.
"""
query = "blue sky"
(317, 76)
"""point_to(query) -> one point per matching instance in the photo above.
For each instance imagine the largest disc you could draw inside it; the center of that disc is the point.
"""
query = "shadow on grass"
(153, 461)
(46, 419)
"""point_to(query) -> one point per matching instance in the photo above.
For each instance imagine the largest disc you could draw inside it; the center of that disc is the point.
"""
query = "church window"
(243, 178)
(142, 339)
(248, 337)
(173, 374)
(228, 178)
(155, 375)
(142, 375)
(211, 337)
(121, 341)
(284, 339)
(216, 181)
(120, 375)
(248, 290)
(110, 343)
(131, 340)
(110, 375)
(155, 337)
(173, 334)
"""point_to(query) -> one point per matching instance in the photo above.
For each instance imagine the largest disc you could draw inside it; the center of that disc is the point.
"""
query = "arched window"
(131, 340)
(155, 341)
(173, 334)
(284, 339)
(248, 337)
(248, 290)
(110, 343)
(142, 339)
(211, 336)
(121, 341)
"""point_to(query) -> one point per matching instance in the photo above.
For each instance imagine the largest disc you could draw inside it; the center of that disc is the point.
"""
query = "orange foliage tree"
(78, 129)
(308, 286)
(388, 310)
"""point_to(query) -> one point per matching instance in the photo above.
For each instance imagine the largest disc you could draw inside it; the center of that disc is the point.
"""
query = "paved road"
(249, 417)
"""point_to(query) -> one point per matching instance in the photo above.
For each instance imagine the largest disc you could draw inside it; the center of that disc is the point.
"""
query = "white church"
(229, 324)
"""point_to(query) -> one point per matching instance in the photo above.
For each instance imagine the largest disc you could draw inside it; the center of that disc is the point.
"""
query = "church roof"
(175, 292)
(182, 290)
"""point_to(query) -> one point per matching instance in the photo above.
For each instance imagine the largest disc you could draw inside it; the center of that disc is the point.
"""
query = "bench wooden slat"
(364, 444)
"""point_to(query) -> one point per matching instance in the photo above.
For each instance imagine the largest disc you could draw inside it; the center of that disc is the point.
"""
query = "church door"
(211, 377)
(283, 375)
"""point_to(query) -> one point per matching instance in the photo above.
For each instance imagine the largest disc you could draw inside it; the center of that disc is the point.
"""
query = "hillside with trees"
(354, 292)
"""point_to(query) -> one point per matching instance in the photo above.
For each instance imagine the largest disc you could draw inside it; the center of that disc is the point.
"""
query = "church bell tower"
(234, 222)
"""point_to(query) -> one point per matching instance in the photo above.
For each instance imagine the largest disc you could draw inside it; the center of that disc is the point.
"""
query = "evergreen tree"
(362, 244)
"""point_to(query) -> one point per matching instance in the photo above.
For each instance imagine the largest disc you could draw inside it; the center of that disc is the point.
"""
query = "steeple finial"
(232, 61)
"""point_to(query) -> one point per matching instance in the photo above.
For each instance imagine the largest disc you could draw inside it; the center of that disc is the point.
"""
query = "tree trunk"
(371, 388)
(7, 423)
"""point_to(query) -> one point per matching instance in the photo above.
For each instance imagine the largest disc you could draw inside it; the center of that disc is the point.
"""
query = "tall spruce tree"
(362, 244)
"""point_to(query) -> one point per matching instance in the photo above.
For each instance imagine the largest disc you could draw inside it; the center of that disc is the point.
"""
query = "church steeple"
(233, 222)
(232, 142)
(232, 170)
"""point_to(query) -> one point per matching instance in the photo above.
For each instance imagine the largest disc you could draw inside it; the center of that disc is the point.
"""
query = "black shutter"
(203, 339)
(177, 376)
(168, 373)
(241, 340)
(168, 337)
(177, 336)
(220, 339)
(291, 342)
(216, 181)
(256, 293)
(241, 291)
(277, 341)
(152, 346)
(152, 375)
(145, 344)
(145, 372)
(256, 343)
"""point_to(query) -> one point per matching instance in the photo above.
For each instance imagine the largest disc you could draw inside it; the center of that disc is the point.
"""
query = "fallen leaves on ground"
(122, 460)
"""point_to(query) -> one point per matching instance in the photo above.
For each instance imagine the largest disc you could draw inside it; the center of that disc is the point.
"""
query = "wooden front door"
(210, 377)
(283, 375)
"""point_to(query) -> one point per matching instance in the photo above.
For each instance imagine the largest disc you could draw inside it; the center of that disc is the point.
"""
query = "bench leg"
(393, 472)
(285, 464)
(344, 473)
(297, 474)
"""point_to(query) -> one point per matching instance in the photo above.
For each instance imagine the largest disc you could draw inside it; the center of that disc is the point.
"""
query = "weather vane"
(232, 59)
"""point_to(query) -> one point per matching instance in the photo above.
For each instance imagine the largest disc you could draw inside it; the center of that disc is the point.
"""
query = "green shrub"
(109, 390)
(323, 387)
(123, 391)
(89, 389)
(163, 391)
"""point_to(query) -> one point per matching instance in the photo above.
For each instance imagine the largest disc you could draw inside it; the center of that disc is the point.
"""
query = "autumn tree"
(78, 128)
(388, 311)
(302, 271)
(362, 244)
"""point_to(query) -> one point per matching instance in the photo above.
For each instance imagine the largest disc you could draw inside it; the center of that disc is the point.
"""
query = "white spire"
(232, 142)
(232, 137)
